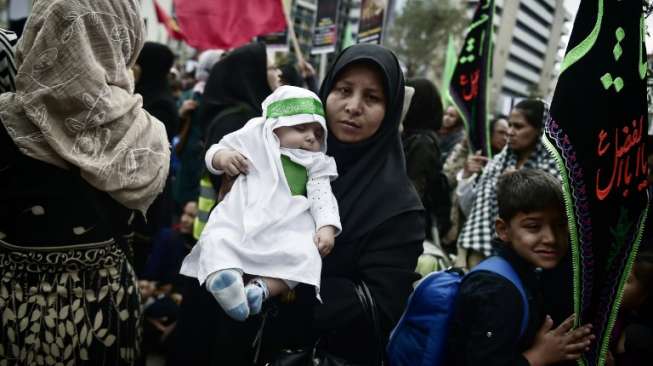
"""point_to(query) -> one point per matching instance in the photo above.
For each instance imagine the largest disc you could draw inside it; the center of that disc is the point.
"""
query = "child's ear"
(502, 229)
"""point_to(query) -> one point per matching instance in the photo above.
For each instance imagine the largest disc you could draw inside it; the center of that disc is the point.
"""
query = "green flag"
(449, 67)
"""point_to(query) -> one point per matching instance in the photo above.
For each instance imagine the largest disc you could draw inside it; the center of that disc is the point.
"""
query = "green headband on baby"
(293, 106)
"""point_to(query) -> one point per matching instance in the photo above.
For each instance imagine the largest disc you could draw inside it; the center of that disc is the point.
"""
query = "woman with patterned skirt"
(79, 159)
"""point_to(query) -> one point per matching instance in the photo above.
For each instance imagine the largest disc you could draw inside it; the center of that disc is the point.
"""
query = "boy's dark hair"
(533, 111)
(528, 190)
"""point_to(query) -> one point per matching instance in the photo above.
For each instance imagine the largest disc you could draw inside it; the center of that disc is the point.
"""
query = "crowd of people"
(242, 213)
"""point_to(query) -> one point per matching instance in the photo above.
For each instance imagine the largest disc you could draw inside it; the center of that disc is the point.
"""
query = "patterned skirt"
(76, 305)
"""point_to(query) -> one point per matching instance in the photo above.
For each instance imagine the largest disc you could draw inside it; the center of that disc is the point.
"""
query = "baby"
(280, 214)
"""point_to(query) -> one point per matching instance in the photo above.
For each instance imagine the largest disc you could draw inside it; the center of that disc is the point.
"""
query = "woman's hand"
(187, 108)
(559, 344)
(231, 162)
(325, 239)
(474, 164)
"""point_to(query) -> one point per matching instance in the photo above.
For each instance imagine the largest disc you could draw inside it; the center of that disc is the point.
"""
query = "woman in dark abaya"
(383, 228)
(154, 63)
(236, 87)
(151, 71)
(423, 157)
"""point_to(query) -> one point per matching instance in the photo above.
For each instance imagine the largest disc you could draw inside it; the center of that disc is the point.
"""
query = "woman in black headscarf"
(236, 87)
(154, 63)
(423, 157)
(383, 227)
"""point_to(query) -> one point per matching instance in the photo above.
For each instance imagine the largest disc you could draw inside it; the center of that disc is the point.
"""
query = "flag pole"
(291, 33)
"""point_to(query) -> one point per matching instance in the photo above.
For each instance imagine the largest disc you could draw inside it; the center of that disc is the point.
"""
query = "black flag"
(597, 130)
(469, 82)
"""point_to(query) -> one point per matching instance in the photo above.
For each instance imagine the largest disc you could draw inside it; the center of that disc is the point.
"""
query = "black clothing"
(372, 185)
(425, 111)
(425, 171)
(487, 318)
(291, 76)
(155, 61)
(238, 78)
(43, 204)
(233, 95)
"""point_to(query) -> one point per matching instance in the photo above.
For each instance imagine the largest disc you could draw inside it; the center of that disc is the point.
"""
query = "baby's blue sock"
(227, 287)
(257, 292)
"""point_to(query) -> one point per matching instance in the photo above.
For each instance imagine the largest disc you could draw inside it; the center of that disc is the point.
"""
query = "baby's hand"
(231, 162)
(324, 239)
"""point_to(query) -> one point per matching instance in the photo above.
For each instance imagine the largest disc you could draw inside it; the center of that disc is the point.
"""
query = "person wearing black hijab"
(154, 63)
(236, 87)
(383, 227)
(423, 157)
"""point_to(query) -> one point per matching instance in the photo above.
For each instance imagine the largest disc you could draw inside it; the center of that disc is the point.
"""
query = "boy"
(280, 215)
(485, 328)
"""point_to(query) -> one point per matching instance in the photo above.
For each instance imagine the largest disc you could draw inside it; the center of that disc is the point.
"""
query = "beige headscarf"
(74, 104)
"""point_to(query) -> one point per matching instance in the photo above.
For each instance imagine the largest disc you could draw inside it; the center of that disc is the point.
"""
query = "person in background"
(170, 247)
(524, 150)
(474, 164)
(7, 62)
(79, 159)
(459, 160)
(632, 335)
(189, 148)
(451, 132)
(301, 75)
(153, 84)
(423, 161)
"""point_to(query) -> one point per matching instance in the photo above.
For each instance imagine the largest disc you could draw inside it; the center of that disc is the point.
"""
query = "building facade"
(527, 49)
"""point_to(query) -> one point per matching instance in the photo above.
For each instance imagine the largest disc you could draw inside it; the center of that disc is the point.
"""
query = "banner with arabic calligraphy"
(468, 88)
(597, 131)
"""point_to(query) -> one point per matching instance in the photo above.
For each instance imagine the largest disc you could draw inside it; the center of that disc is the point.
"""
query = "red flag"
(170, 24)
(228, 23)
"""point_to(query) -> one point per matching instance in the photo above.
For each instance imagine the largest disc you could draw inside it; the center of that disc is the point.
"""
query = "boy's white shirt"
(259, 227)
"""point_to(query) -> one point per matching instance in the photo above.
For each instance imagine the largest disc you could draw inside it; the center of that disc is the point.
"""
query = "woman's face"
(499, 135)
(355, 107)
(451, 118)
(274, 75)
(522, 136)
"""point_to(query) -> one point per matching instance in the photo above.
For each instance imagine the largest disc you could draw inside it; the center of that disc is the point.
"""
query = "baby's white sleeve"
(323, 204)
(208, 158)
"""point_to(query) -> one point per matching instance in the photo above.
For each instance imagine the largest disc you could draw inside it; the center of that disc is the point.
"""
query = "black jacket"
(487, 317)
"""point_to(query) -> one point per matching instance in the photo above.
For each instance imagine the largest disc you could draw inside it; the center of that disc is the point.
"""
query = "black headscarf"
(372, 185)
(425, 111)
(239, 78)
(155, 61)
(290, 75)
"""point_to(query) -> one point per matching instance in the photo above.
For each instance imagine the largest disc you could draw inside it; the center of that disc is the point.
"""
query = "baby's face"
(307, 136)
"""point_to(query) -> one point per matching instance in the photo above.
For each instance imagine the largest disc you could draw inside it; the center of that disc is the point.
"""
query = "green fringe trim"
(571, 221)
